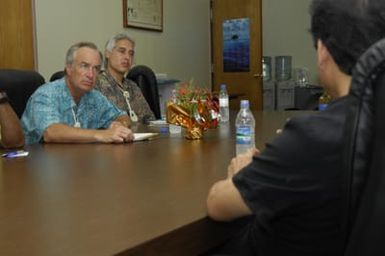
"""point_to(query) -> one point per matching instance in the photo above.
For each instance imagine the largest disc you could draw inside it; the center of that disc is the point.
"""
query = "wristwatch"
(3, 97)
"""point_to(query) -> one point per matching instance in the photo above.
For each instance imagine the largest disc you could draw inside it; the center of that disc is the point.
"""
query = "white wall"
(285, 32)
(182, 50)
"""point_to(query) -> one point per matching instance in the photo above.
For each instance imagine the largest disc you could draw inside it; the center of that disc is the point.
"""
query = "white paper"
(144, 136)
(158, 122)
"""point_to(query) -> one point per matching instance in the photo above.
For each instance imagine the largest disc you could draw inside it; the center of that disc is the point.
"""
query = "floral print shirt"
(52, 103)
(108, 86)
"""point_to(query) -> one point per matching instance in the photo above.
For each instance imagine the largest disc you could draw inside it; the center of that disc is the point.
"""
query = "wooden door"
(16, 34)
(244, 80)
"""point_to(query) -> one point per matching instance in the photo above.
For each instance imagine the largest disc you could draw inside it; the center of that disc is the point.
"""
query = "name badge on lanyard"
(77, 123)
(133, 115)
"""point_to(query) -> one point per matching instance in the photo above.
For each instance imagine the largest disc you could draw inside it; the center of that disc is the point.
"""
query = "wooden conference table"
(144, 198)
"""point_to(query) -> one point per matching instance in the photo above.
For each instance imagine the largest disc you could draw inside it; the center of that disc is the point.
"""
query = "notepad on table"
(159, 122)
(145, 136)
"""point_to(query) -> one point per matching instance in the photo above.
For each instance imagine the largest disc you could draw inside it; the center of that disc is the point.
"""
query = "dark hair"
(347, 27)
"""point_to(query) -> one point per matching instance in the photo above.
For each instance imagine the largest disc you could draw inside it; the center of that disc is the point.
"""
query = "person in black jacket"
(293, 188)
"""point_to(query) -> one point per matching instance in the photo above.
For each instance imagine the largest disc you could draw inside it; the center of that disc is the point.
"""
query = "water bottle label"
(322, 106)
(244, 135)
(223, 102)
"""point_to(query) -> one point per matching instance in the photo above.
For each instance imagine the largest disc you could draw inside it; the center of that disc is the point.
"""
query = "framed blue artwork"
(236, 45)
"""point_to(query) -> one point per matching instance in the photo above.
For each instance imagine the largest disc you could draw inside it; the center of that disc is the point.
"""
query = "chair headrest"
(19, 85)
(141, 70)
(57, 75)
(368, 75)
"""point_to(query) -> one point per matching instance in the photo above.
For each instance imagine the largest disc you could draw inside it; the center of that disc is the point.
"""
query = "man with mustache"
(124, 93)
(68, 110)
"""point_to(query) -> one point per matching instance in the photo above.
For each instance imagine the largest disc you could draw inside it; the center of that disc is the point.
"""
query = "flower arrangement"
(194, 108)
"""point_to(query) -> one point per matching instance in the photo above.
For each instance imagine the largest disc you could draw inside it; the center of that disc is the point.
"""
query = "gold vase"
(192, 122)
(194, 132)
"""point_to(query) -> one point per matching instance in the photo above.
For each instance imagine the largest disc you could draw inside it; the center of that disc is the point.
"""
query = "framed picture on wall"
(143, 14)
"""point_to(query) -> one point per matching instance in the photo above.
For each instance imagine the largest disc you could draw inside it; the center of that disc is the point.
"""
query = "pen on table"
(18, 153)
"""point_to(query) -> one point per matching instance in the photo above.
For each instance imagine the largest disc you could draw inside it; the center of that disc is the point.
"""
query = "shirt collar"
(68, 99)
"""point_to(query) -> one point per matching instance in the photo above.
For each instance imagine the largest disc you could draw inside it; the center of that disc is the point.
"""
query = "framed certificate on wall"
(143, 14)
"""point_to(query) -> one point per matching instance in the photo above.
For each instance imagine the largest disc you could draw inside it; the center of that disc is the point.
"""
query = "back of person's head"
(347, 27)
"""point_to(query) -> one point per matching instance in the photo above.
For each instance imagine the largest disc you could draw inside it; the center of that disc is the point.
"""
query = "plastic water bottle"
(323, 101)
(174, 129)
(245, 129)
(224, 104)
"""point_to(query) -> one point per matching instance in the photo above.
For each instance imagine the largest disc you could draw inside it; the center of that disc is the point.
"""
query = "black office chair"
(57, 75)
(146, 80)
(363, 216)
(19, 85)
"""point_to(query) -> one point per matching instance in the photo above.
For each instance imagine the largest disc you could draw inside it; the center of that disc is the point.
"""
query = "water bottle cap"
(244, 104)
(223, 87)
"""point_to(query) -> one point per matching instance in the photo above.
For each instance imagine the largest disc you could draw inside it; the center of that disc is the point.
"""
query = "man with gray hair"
(68, 110)
(124, 93)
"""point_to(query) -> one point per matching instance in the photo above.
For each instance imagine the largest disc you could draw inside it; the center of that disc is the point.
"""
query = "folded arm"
(224, 202)
(11, 131)
(62, 133)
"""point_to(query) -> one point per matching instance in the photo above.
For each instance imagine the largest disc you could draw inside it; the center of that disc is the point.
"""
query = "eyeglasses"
(83, 66)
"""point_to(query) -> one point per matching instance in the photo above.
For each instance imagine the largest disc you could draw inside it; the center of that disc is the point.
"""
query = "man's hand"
(240, 161)
(116, 133)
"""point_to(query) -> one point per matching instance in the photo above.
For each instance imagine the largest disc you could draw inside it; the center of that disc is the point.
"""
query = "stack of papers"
(158, 123)
(145, 136)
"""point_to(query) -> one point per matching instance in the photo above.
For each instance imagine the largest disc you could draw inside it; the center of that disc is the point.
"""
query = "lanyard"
(77, 123)
(126, 96)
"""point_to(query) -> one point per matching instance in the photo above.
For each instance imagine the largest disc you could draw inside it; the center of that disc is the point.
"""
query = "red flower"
(202, 106)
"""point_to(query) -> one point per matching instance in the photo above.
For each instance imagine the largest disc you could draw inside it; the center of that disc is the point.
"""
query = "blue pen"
(13, 154)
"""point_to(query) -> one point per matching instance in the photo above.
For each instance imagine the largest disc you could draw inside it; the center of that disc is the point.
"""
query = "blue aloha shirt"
(52, 103)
